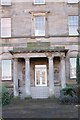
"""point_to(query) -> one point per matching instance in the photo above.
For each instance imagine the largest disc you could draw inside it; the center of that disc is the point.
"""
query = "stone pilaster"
(27, 78)
(63, 72)
(51, 76)
(15, 77)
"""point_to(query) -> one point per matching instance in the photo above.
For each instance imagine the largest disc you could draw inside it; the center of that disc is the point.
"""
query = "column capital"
(15, 59)
(27, 58)
(49, 55)
(50, 58)
(62, 56)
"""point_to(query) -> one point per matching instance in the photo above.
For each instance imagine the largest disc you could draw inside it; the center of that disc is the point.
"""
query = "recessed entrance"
(40, 75)
(39, 79)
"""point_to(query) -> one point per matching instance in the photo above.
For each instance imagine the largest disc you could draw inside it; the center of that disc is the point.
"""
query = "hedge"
(5, 97)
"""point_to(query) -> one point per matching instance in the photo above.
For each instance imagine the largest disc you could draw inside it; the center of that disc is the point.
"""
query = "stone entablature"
(38, 53)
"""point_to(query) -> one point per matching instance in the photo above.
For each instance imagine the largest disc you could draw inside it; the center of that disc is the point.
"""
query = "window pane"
(6, 70)
(39, 26)
(72, 30)
(37, 77)
(73, 1)
(43, 77)
(72, 67)
(73, 25)
(5, 27)
(39, 1)
(40, 75)
(5, 2)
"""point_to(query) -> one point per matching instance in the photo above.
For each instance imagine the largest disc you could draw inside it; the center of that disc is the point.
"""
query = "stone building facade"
(79, 16)
(38, 46)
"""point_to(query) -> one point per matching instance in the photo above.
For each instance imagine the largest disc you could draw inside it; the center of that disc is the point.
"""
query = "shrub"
(68, 95)
(78, 69)
(4, 95)
(68, 99)
(77, 90)
(67, 91)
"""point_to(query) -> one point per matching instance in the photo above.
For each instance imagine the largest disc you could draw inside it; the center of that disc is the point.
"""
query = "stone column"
(15, 77)
(63, 72)
(27, 78)
(51, 76)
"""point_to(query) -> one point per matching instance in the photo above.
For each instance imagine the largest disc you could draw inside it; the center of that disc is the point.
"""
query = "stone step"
(39, 92)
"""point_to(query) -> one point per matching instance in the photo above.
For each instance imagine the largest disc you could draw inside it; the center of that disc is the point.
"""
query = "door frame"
(39, 67)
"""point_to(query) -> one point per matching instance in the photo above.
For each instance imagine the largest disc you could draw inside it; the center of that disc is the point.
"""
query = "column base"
(16, 95)
(27, 94)
(28, 97)
(51, 93)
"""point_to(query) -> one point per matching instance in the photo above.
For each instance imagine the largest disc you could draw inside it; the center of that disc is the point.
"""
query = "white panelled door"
(40, 75)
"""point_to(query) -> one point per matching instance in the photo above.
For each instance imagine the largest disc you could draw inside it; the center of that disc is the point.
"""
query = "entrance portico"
(38, 73)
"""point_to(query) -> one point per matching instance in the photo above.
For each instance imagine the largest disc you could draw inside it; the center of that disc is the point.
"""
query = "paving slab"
(39, 109)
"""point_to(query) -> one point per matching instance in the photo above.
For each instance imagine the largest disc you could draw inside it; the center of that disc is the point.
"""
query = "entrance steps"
(40, 92)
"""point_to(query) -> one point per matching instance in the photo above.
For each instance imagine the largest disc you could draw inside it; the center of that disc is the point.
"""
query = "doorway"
(40, 75)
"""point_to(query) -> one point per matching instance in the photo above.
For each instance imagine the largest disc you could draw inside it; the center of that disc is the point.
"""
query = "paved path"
(40, 109)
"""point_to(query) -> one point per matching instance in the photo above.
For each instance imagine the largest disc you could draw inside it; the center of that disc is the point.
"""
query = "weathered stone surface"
(57, 33)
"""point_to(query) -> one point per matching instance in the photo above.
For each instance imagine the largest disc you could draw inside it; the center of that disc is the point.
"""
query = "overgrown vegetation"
(70, 95)
(5, 96)
(78, 69)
